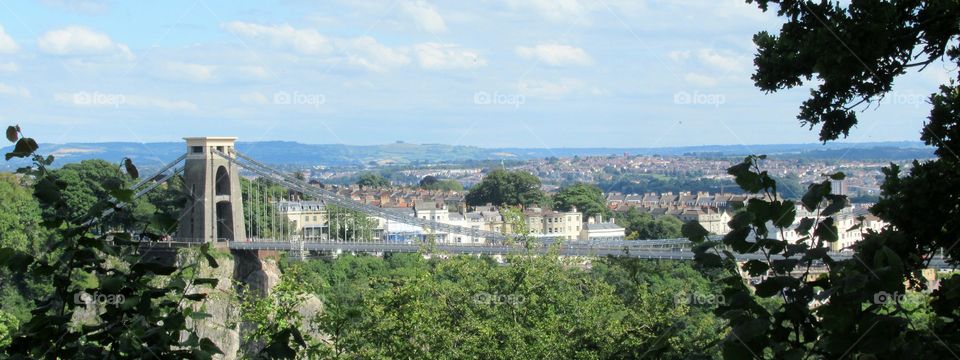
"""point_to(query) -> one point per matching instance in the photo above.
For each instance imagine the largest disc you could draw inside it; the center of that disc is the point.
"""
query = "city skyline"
(491, 74)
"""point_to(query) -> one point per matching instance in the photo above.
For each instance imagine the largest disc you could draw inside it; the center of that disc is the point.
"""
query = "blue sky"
(492, 73)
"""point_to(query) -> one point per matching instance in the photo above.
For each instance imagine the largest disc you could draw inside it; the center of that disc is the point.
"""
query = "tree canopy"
(506, 188)
(587, 198)
(372, 180)
(430, 182)
(855, 50)
(642, 226)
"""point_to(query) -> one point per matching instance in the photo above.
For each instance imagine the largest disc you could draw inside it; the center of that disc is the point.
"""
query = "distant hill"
(297, 154)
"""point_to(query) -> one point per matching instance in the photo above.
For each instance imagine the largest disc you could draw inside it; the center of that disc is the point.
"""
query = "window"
(196, 149)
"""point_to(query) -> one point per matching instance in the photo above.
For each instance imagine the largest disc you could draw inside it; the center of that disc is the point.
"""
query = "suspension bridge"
(256, 215)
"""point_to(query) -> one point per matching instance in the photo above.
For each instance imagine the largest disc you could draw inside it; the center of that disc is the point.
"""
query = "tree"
(642, 226)
(510, 188)
(20, 229)
(587, 198)
(855, 52)
(372, 180)
(147, 301)
(430, 182)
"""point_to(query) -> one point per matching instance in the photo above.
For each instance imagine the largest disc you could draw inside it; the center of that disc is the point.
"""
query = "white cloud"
(364, 52)
(7, 45)
(549, 89)
(556, 55)
(187, 71)
(79, 40)
(436, 56)
(679, 55)
(367, 53)
(565, 11)
(9, 67)
(252, 72)
(17, 91)
(700, 80)
(727, 62)
(160, 103)
(255, 98)
(304, 41)
(425, 15)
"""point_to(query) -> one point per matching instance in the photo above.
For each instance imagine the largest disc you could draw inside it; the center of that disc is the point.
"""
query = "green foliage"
(587, 198)
(260, 198)
(502, 187)
(373, 180)
(642, 226)
(145, 299)
(350, 225)
(644, 183)
(534, 307)
(856, 51)
(433, 183)
(273, 320)
(819, 316)
(8, 324)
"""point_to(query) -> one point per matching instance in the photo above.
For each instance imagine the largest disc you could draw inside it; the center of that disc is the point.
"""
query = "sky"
(490, 73)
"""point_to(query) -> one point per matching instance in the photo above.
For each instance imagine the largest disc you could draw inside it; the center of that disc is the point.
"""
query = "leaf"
(195, 297)
(773, 285)
(837, 203)
(827, 230)
(694, 231)
(205, 250)
(784, 213)
(708, 259)
(208, 346)
(206, 281)
(13, 133)
(24, 147)
(122, 195)
(814, 196)
(838, 176)
(804, 227)
(131, 169)
(751, 329)
(756, 267)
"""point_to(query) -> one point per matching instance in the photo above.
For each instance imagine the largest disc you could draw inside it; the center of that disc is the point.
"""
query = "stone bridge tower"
(216, 211)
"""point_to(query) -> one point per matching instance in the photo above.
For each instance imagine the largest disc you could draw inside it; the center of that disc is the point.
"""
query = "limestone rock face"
(223, 325)
(259, 273)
